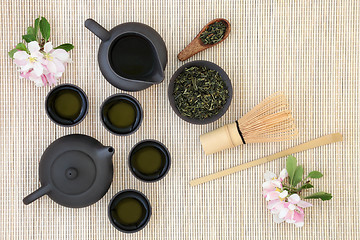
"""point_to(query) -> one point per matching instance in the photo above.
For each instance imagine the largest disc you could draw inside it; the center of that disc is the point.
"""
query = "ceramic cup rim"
(209, 65)
(147, 208)
(70, 86)
(167, 156)
(125, 95)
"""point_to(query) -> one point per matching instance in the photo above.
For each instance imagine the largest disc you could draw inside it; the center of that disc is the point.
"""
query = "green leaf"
(30, 31)
(12, 52)
(66, 46)
(45, 28)
(21, 47)
(319, 195)
(29, 38)
(36, 26)
(298, 175)
(306, 186)
(291, 166)
(315, 174)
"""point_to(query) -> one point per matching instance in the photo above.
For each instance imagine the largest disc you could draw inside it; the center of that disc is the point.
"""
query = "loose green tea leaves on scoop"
(214, 33)
(200, 92)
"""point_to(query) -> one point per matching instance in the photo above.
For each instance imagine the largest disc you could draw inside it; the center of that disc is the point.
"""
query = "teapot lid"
(77, 170)
(73, 172)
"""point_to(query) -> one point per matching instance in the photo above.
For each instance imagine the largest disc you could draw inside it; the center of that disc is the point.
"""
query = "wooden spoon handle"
(190, 50)
(327, 139)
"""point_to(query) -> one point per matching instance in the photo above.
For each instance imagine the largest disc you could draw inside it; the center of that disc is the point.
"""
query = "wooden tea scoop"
(327, 139)
(197, 45)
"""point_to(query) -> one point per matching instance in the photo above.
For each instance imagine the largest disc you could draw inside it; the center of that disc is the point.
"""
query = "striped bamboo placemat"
(309, 49)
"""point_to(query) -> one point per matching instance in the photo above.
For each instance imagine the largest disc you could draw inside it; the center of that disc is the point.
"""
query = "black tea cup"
(149, 160)
(121, 114)
(129, 211)
(66, 105)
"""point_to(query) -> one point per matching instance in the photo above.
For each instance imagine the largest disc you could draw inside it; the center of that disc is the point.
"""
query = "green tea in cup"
(149, 160)
(121, 114)
(66, 105)
(129, 211)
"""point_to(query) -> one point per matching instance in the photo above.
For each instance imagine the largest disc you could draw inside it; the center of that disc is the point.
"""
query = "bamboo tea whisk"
(269, 121)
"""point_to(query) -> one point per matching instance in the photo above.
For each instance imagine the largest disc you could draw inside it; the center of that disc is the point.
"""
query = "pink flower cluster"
(43, 67)
(283, 206)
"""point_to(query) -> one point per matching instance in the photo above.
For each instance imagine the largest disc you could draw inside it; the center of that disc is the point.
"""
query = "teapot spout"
(157, 76)
(107, 151)
(37, 194)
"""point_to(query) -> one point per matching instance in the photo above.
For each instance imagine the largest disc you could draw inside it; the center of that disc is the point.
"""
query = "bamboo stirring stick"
(327, 139)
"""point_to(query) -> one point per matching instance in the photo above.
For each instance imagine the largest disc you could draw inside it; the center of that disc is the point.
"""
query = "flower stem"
(289, 187)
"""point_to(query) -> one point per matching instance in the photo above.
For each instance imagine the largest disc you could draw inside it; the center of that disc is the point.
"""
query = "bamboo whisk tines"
(269, 121)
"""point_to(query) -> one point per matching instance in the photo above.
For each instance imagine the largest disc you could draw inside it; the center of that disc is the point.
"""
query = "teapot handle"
(37, 194)
(97, 29)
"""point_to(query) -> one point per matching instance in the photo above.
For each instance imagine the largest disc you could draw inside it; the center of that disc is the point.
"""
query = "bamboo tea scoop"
(197, 45)
(327, 139)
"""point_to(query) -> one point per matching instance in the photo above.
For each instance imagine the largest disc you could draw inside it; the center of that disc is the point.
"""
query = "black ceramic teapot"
(132, 56)
(75, 171)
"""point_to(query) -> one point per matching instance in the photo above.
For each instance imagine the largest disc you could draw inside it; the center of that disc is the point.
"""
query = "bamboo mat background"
(310, 49)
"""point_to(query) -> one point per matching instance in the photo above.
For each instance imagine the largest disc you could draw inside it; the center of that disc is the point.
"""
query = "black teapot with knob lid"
(75, 171)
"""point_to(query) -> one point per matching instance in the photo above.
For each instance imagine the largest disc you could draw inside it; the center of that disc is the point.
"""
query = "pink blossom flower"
(30, 62)
(289, 209)
(49, 78)
(281, 205)
(55, 59)
(30, 75)
(276, 201)
(282, 193)
(283, 174)
(273, 185)
(293, 211)
(43, 67)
